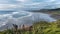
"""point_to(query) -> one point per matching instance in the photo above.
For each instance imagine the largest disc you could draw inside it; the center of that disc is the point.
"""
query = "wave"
(23, 17)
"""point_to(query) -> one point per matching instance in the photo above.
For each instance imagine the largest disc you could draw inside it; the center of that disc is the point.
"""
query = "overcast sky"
(28, 4)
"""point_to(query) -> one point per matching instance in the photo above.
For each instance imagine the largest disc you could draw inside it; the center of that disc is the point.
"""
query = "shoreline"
(29, 19)
(55, 16)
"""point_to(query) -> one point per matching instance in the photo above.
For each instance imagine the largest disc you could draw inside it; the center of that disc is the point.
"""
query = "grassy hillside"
(41, 27)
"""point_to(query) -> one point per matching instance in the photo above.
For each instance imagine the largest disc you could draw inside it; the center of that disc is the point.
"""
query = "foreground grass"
(41, 27)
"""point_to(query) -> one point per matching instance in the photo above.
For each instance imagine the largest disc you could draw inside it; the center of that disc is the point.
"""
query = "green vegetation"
(41, 27)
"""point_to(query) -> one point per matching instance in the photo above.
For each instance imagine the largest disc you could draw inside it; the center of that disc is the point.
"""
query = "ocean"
(7, 18)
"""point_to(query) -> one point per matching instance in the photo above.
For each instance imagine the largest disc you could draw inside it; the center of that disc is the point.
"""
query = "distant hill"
(57, 9)
(45, 10)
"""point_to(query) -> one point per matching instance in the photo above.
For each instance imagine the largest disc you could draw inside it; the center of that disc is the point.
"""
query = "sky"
(29, 4)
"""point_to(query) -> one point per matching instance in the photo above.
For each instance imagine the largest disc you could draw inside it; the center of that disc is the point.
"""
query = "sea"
(7, 18)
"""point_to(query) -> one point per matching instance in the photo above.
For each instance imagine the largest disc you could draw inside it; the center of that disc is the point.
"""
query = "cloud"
(40, 4)
(7, 6)
(7, 1)
(29, 4)
(21, 0)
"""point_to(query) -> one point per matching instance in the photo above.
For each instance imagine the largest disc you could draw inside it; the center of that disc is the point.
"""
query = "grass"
(41, 27)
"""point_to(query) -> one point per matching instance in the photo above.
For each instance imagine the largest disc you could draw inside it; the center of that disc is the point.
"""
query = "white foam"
(28, 19)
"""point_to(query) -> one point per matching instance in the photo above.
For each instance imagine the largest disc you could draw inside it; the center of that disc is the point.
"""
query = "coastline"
(30, 19)
(53, 15)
